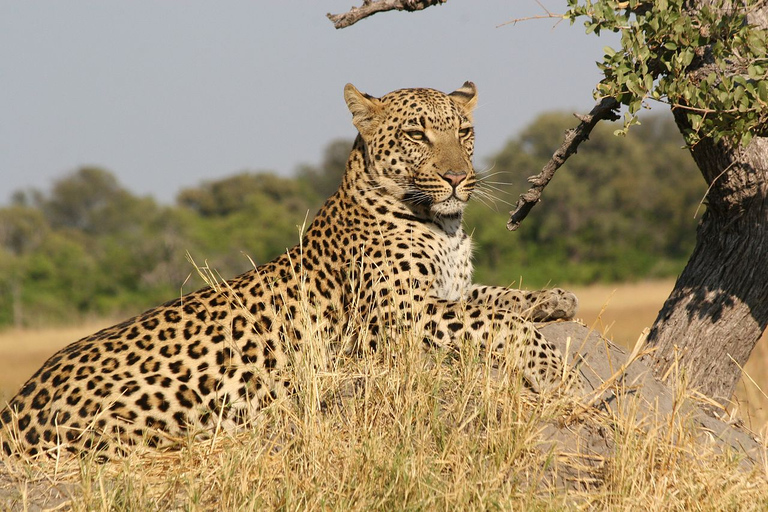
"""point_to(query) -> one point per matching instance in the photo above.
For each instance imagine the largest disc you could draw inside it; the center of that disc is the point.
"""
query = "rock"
(632, 393)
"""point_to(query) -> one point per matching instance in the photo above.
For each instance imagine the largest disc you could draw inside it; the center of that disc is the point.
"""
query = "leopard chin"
(451, 207)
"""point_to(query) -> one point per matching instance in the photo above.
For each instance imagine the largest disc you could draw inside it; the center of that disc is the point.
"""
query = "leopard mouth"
(451, 207)
(446, 205)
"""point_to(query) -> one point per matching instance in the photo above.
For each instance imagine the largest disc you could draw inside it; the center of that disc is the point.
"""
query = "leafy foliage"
(623, 209)
(663, 40)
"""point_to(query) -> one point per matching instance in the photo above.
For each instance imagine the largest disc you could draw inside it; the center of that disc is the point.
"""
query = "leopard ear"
(466, 97)
(365, 110)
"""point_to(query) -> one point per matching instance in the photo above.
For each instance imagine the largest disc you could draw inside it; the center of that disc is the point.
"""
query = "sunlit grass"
(409, 433)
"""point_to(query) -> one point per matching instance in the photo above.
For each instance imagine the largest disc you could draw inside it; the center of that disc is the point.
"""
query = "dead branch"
(558, 17)
(606, 109)
(548, 15)
(371, 7)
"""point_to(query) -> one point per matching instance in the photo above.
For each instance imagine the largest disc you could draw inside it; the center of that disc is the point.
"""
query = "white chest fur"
(453, 262)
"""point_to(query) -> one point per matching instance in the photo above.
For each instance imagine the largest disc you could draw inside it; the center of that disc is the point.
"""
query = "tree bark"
(719, 306)
(371, 7)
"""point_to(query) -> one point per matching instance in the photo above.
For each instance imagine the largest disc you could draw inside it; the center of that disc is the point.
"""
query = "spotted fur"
(385, 253)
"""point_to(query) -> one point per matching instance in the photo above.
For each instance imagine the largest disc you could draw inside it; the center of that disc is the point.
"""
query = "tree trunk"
(719, 307)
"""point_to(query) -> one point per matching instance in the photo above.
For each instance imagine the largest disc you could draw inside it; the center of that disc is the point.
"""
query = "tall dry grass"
(401, 430)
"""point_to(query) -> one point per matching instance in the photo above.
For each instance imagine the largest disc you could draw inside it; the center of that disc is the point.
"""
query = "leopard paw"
(555, 304)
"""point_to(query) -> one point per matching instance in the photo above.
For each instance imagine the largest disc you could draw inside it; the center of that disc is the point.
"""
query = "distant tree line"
(623, 209)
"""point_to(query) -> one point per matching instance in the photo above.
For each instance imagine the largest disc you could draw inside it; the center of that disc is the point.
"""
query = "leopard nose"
(454, 177)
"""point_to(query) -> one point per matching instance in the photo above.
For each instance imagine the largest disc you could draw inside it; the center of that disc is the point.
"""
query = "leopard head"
(419, 145)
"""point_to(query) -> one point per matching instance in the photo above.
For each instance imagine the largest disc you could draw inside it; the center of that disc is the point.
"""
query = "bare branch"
(605, 109)
(371, 7)
(548, 15)
(558, 17)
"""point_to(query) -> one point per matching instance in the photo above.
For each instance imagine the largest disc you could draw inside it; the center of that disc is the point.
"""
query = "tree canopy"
(663, 41)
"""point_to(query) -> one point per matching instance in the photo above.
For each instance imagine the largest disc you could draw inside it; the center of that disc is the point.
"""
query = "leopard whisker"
(508, 183)
(484, 177)
(416, 196)
(489, 196)
(487, 169)
(485, 202)
(487, 187)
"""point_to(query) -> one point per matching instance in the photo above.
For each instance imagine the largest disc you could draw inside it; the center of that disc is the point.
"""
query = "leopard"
(386, 252)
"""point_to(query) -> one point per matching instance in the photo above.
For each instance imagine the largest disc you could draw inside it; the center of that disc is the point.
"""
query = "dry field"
(405, 433)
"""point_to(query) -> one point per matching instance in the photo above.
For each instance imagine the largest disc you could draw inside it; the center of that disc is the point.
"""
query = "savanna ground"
(407, 433)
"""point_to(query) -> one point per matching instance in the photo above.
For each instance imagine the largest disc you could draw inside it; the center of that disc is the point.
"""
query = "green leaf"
(644, 52)
(695, 120)
(648, 82)
(660, 41)
(686, 57)
(737, 94)
(762, 91)
(756, 43)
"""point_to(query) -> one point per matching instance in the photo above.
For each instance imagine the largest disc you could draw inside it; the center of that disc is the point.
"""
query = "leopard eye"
(416, 135)
(465, 132)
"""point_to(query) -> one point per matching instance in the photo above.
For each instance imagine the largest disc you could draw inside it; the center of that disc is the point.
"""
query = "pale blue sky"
(167, 94)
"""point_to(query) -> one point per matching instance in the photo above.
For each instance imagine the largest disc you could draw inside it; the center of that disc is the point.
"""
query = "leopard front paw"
(555, 304)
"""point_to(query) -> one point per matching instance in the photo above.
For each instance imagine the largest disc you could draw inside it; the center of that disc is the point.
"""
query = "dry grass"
(400, 431)
(408, 432)
(751, 400)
